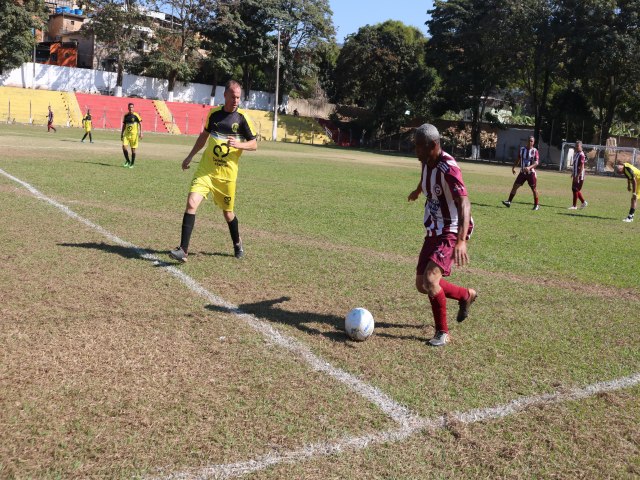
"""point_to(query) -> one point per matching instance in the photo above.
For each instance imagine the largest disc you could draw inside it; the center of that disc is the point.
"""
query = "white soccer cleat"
(440, 339)
(584, 205)
(629, 219)
(572, 208)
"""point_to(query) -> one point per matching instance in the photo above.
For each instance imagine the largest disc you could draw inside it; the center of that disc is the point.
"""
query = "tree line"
(571, 65)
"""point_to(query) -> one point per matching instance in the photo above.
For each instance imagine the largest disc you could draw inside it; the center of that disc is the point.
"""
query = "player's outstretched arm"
(416, 193)
(201, 141)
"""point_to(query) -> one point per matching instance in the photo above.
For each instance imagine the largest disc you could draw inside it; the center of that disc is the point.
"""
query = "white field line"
(399, 434)
(397, 412)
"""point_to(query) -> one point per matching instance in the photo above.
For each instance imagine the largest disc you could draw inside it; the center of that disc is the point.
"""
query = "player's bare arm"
(249, 145)
(515, 164)
(460, 251)
(201, 141)
(413, 196)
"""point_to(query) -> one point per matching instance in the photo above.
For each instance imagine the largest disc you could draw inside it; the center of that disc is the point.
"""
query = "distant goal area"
(600, 159)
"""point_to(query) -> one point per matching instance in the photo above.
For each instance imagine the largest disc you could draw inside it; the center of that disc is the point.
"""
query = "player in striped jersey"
(633, 185)
(50, 121)
(448, 223)
(528, 160)
(577, 176)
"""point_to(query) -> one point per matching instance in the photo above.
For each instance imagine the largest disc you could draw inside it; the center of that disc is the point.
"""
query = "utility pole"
(274, 133)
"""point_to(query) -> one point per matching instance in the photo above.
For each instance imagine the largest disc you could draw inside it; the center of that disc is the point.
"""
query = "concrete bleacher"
(290, 128)
(188, 117)
(23, 105)
(107, 112)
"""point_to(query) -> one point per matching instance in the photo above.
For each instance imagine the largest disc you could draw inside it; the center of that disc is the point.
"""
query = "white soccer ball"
(359, 324)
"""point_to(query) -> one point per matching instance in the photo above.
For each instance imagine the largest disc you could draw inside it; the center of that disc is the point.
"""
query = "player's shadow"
(270, 311)
(214, 254)
(125, 252)
(102, 164)
(582, 215)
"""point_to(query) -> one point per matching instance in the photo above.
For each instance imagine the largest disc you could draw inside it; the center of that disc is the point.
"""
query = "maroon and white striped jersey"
(578, 165)
(528, 157)
(441, 185)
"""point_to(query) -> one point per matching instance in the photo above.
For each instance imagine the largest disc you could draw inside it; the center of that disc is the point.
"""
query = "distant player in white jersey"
(528, 160)
(448, 223)
(577, 176)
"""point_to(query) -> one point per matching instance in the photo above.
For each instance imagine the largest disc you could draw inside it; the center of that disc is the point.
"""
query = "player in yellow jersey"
(229, 132)
(633, 185)
(130, 134)
(87, 125)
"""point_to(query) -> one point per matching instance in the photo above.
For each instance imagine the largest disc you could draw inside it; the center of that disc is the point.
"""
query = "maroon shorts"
(530, 178)
(438, 250)
(576, 186)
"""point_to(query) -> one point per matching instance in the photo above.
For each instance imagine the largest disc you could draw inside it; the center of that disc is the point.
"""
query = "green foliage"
(246, 34)
(604, 45)
(17, 23)
(471, 51)
(382, 68)
(539, 42)
(118, 26)
(571, 119)
(175, 54)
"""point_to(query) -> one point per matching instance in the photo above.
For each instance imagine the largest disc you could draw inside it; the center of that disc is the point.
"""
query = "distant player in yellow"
(130, 134)
(229, 132)
(87, 125)
(633, 185)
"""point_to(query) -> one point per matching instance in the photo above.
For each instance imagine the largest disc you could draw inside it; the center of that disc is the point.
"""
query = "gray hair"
(578, 142)
(427, 133)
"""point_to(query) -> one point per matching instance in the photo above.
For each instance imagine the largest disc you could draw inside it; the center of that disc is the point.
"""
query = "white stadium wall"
(53, 77)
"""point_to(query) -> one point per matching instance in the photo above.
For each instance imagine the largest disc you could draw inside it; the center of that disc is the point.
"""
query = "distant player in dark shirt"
(528, 160)
(50, 121)
(577, 177)
(229, 132)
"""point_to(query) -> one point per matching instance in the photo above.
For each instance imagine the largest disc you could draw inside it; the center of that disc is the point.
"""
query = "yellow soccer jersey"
(219, 159)
(630, 172)
(131, 123)
(86, 122)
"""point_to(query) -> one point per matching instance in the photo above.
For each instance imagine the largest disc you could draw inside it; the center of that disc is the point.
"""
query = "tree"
(246, 34)
(604, 47)
(471, 50)
(306, 31)
(18, 21)
(538, 41)
(174, 54)
(382, 68)
(119, 26)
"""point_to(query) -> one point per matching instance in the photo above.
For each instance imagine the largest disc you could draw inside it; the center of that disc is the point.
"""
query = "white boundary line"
(394, 410)
(322, 449)
(409, 423)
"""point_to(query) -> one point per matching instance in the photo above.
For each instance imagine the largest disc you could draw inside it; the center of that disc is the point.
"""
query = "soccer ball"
(359, 324)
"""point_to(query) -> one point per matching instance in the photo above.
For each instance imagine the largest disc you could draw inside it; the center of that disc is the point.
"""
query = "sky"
(350, 15)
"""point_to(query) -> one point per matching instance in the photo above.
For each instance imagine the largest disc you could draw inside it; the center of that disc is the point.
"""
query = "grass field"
(117, 363)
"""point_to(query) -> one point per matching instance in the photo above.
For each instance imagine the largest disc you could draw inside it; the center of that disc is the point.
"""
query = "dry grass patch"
(112, 368)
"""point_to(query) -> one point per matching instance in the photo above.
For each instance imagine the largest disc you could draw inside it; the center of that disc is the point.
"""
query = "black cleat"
(506, 203)
(238, 251)
(463, 312)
